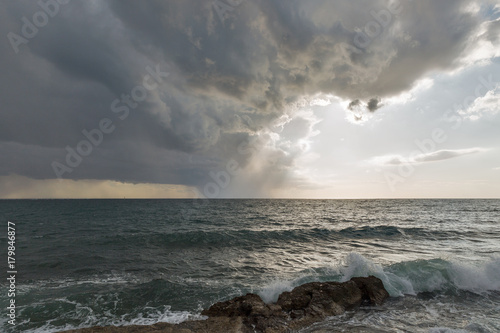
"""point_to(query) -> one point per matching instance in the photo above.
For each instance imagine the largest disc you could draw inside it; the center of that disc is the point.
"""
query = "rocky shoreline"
(299, 308)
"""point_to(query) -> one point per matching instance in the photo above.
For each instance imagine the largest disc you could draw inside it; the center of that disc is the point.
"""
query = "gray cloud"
(227, 82)
(373, 104)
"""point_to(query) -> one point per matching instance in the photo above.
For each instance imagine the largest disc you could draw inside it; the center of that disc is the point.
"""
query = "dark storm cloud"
(373, 104)
(227, 80)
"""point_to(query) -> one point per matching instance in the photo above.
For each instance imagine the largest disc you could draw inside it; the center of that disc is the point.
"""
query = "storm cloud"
(373, 104)
(222, 79)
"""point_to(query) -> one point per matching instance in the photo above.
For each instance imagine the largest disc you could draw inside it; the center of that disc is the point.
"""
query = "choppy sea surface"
(83, 263)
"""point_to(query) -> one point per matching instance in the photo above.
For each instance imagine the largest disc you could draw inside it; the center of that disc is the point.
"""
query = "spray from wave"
(403, 278)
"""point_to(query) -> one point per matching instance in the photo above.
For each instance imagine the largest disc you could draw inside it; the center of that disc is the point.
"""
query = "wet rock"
(242, 306)
(372, 288)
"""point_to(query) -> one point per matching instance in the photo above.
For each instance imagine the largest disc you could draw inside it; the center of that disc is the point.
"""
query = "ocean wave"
(404, 278)
(413, 277)
(227, 238)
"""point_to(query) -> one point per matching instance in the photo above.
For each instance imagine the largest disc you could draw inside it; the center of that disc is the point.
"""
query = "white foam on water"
(165, 316)
(476, 278)
(148, 316)
(152, 316)
(109, 279)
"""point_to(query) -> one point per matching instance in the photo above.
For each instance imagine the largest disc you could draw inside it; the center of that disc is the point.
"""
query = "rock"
(328, 298)
(372, 288)
(315, 301)
(304, 305)
(252, 308)
(240, 306)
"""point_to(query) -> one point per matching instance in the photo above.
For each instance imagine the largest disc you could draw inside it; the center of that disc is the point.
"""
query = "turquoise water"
(83, 263)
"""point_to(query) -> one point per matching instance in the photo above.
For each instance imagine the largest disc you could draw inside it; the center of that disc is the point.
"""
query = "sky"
(249, 99)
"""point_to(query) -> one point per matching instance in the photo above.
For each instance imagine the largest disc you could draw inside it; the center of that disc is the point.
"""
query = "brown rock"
(372, 288)
(347, 295)
(242, 306)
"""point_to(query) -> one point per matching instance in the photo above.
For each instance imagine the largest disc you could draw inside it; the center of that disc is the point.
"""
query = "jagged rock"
(346, 295)
(256, 313)
(296, 309)
(315, 301)
(372, 288)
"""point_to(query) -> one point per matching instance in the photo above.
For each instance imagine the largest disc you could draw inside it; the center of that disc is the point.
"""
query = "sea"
(82, 263)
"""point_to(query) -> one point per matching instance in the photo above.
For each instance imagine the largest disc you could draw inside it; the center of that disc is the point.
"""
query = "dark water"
(82, 263)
